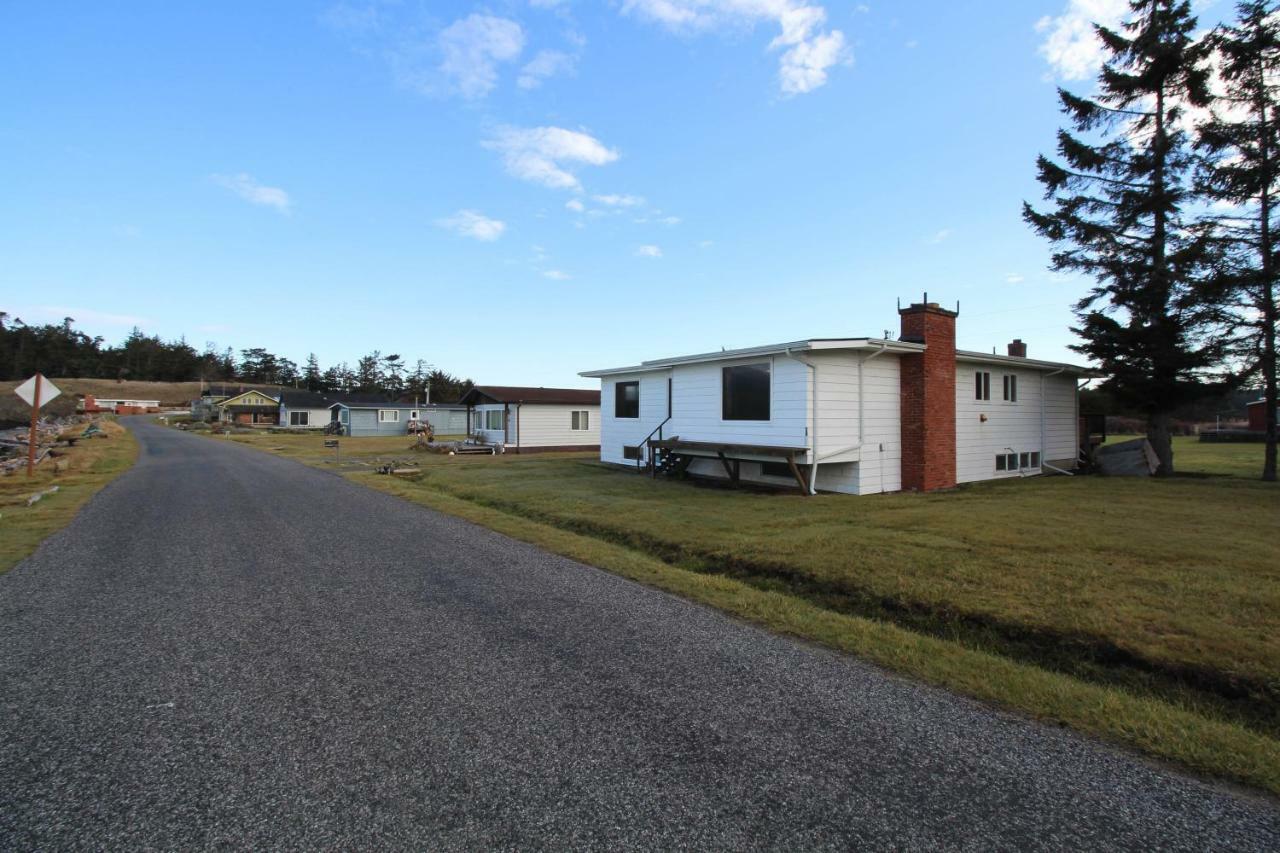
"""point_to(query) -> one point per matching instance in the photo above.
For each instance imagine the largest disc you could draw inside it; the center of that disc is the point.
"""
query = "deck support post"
(795, 472)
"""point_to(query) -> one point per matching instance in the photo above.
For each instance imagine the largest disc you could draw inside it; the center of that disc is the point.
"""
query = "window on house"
(579, 420)
(413, 416)
(493, 419)
(1000, 463)
(344, 415)
(298, 418)
(745, 392)
(1011, 461)
(629, 452)
(626, 400)
(388, 416)
(1024, 460)
(982, 385)
(1011, 388)
(1035, 459)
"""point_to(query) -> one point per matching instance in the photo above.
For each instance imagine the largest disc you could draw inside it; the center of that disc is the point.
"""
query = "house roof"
(302, 398)
(822, 344)
(517, 394)
(810, 345)
(230, 401)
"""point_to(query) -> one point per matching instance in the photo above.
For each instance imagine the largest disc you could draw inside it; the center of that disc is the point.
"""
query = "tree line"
(59, 349)
(1163, 192)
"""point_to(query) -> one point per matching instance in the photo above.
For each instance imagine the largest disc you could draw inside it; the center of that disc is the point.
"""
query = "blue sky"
(517, 191)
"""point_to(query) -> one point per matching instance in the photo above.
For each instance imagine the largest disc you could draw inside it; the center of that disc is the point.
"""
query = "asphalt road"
(229, 649)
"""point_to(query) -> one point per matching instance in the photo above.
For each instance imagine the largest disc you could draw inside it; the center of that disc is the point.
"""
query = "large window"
(626, 400)
(745, 394)
(579, 420)
(298, 418)
(1011, 388)
(388, 416)
(982, 385)
(493, 419)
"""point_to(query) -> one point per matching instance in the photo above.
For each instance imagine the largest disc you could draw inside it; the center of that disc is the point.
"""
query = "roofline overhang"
(811, 345)
(1019, 361)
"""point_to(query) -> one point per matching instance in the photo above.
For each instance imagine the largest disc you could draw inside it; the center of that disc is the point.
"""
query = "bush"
(199, 426)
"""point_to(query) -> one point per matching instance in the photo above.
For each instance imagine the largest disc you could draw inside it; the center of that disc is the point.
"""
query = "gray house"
(363, 416)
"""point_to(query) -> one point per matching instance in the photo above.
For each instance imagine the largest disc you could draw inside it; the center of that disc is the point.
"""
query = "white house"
(304, 410)
(523, 420)
(851, 415)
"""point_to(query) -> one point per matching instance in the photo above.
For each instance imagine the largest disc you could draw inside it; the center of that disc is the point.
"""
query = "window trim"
(631, 452)
(724, 400)
(618, 398)
(582, 417)
(382, 413)
(488, 419)
(297, 418)
(982, 385)
(1011, 387)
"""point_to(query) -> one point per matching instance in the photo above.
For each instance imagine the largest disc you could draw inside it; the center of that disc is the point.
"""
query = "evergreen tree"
(1242, 137)
(1120, 215)
(311, 374)
(393, 375)
(369, 373)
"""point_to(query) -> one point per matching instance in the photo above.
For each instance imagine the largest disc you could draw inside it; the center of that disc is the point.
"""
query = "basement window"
(579, 420)
(626, 400)
(1011, 388)
(388, 416)
(298, 418)
(1001, 463)
(982, 385)
(1035, 459)
(629, 452)
(745, 392)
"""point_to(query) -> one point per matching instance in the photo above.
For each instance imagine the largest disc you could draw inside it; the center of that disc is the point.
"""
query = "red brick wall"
(928, 388)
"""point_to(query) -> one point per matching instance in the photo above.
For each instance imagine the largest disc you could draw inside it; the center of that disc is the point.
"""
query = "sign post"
(36, 391)
(337, 451)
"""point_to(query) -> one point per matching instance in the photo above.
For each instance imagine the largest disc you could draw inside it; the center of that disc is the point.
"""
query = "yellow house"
(249, 408)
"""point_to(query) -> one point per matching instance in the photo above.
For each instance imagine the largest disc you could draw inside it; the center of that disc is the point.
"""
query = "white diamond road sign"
(27, 390)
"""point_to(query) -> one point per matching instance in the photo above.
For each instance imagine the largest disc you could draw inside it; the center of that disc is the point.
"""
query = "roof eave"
(811, 345)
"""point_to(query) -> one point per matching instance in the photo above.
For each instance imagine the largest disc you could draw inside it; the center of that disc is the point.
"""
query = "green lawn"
(92, 464)
(1142, 610)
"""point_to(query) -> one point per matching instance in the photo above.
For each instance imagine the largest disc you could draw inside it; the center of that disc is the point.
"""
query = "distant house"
(373, 416)
(523, 420)
(1258, 415)
(852, 415)
(120, 406)
(252, 408)
(301, 409)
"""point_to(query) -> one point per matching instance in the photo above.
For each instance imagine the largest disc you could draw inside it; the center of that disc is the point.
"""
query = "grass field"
(93, 464)
(1139, 610)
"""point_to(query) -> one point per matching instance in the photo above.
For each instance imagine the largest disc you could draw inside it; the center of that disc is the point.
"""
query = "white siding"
(316, 418)
(549, 425)
(697, 416)
(1011, 427)
(491, 436)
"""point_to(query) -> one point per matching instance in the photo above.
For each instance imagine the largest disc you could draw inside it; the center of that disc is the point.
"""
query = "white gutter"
(813, 437)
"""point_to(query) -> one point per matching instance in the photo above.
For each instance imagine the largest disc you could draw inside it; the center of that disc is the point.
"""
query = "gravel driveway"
(226, 648)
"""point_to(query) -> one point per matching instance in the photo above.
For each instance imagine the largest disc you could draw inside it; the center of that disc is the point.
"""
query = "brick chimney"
(928, 390)
(1017, 348)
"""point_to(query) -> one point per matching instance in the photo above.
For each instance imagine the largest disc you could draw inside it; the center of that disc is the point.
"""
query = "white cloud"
(545, 65)
(1014, 278)
(1071, 46)
(547, 4)
(620, 200)
(575, 205)
(941, 235)
(648, 251)
(545, 155)
(808, 50)
(250, 190)
(473, 47)
(473, 224)
(556, 275)
(705, 244)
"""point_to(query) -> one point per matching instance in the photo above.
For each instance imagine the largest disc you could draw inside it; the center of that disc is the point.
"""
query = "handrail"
(645, 443)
